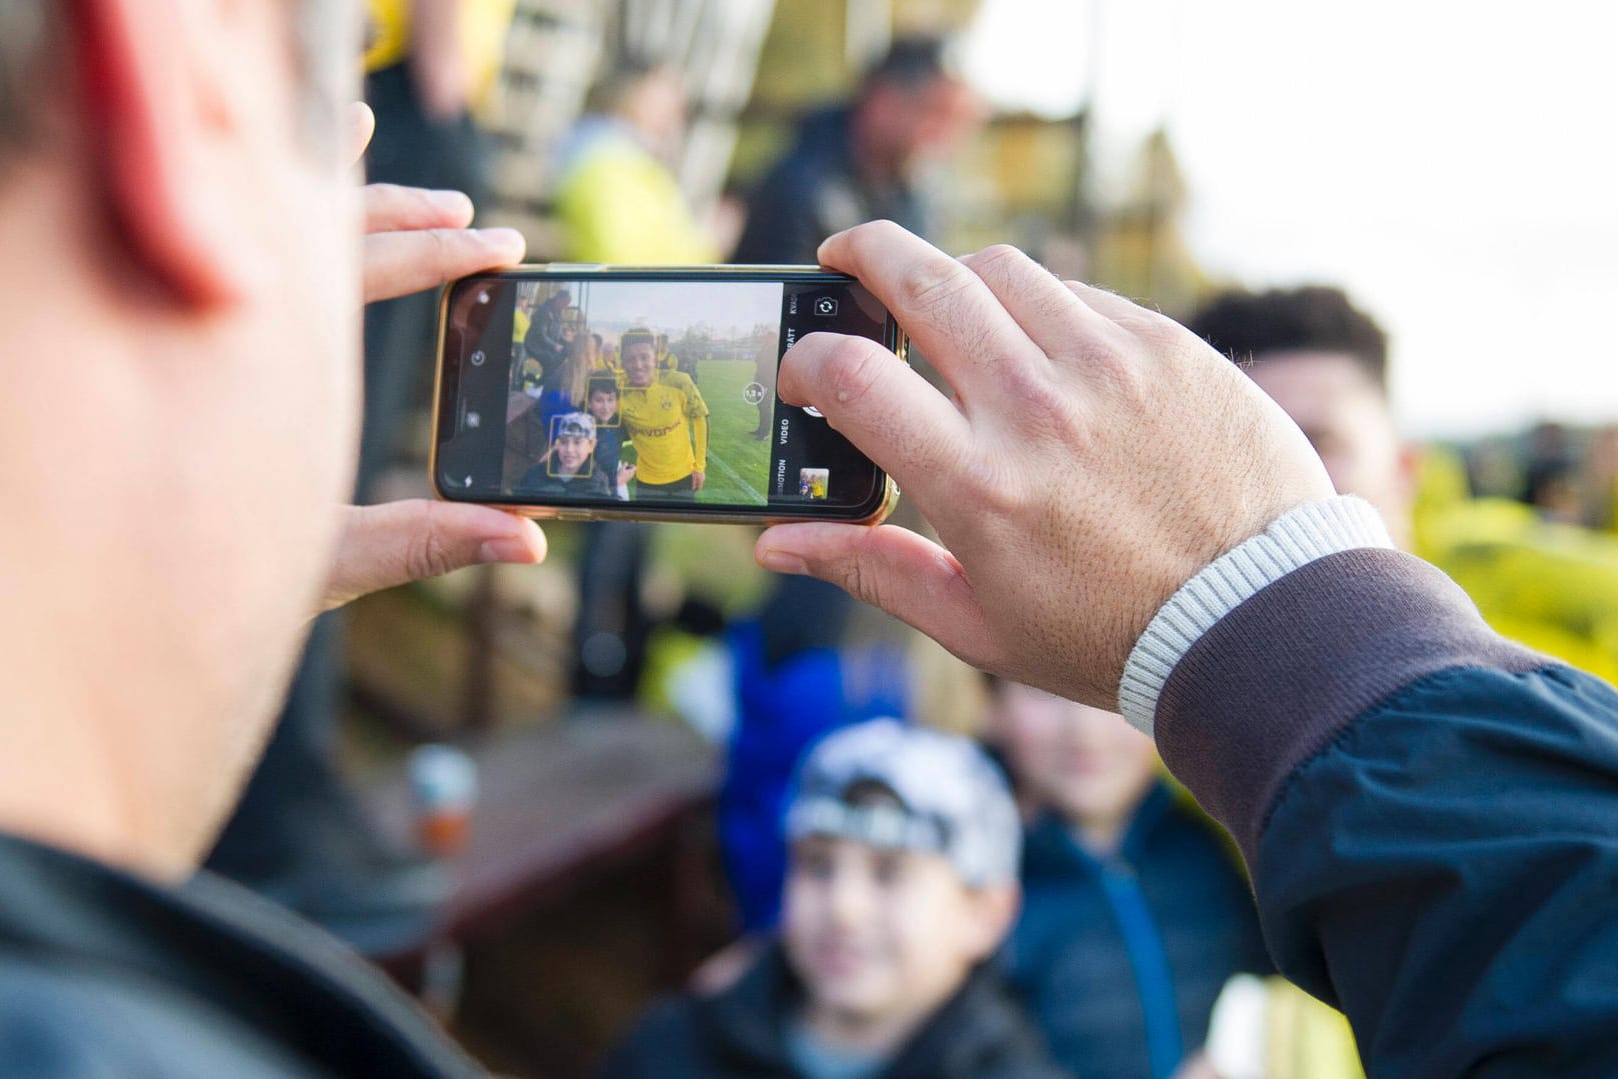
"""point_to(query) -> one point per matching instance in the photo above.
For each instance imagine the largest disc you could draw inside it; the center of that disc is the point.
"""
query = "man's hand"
(697, 480)
(1095, 456)
(400, 542)
(417, 240)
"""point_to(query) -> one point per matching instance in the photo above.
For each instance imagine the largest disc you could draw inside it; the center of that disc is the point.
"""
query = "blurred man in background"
(617, 196)
(1135, 910)
(902, 885)
(1325, 362)
(858, 162)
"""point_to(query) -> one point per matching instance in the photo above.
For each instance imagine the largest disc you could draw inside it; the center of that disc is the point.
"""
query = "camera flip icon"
(825, 307)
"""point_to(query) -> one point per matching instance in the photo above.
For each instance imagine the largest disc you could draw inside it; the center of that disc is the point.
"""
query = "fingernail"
(778, 561)
(452, 200)
(503, 238)
(511, 549)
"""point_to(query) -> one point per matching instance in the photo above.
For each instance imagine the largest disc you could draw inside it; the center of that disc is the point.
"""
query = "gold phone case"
(765, 516)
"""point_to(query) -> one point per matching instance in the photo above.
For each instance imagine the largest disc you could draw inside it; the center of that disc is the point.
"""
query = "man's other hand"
(417, 239)
(399, 542)
(1094, 457)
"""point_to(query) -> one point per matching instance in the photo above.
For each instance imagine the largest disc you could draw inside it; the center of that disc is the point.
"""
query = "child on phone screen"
(602, 401)
(901, 886)
(568, 467)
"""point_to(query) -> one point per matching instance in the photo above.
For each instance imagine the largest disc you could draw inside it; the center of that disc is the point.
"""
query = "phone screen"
(608, 388)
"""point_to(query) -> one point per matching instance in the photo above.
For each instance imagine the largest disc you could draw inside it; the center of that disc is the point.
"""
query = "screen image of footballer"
(647, 393)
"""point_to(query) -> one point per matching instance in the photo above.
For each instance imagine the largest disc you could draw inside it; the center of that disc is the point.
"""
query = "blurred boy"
(568, 467)
(902, 883)
(1135, 913)
(602, 401)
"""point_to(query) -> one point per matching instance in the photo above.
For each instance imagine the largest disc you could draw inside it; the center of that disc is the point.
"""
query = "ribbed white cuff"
(1295, 539)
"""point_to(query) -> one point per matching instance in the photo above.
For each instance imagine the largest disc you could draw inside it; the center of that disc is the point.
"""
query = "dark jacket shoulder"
(103, 974)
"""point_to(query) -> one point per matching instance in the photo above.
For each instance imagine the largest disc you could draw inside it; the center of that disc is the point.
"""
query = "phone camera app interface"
(659, 391)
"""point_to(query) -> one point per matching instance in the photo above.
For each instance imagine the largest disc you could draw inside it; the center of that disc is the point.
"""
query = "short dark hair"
(623, 75)
(1248, 326)
(601, 385)
(33, 32)
(909, 64)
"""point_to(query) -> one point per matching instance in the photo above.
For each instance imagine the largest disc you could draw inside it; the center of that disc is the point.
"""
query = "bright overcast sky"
(675, 308)
(1454, 165)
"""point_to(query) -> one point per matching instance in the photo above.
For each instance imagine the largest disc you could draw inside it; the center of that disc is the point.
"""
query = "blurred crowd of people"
(1039, 899)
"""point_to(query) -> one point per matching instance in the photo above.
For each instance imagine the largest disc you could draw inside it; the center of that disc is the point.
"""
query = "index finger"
(399, 263)
(945, 308)
(880, 404)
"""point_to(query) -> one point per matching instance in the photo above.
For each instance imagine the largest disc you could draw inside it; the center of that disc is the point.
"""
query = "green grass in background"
(738, 466)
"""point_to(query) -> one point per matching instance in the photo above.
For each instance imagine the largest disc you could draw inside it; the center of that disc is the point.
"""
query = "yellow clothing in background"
(1306, 1039)
(484, 24)
(519, 327)
(1552, 587)
(619, 204)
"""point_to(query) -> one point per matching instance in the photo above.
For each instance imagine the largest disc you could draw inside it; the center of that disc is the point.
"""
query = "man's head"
(649, 97)
(603, 399)
(639, 357)
(904, 853)
(1087, 766)
(574, 442)
(177, 247)
(911, 106)
(1324, 362)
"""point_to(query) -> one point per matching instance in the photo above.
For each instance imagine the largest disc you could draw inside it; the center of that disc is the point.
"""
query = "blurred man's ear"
(1409, 479)
(996, 908)
(158, 108)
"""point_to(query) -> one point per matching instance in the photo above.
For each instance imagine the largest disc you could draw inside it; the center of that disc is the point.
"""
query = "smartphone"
(596, 392)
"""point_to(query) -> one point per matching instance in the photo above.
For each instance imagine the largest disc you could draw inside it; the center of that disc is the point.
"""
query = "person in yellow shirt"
(666, 420)
(616, 197)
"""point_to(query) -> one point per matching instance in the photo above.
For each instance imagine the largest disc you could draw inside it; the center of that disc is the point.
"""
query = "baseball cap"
(952, 798)
(576, 423)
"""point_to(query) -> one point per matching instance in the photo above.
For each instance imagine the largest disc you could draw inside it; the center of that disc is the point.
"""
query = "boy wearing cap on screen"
(568, 467)
(901, 885)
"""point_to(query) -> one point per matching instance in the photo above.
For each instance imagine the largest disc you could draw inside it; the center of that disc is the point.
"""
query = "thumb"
(903, 573)
(398, 542)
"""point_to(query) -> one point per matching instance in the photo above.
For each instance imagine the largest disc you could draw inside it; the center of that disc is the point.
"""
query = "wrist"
(1298, 537)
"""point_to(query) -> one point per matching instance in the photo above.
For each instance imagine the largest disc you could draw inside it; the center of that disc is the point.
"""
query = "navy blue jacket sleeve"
(1430, 814)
